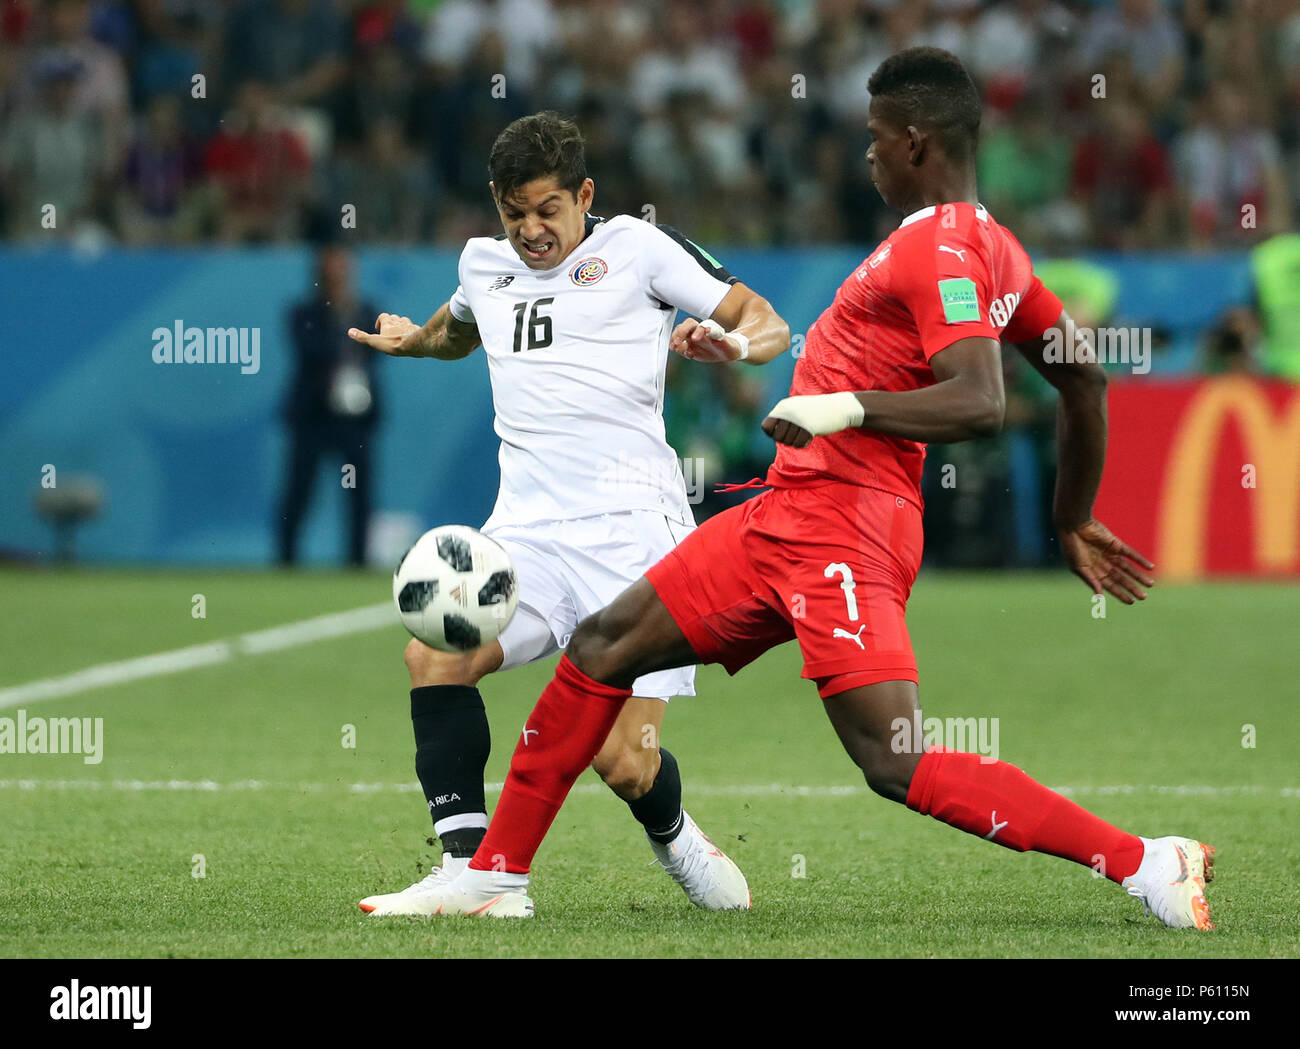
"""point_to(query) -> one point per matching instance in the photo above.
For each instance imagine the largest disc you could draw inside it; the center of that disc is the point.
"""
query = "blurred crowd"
(1108, 123)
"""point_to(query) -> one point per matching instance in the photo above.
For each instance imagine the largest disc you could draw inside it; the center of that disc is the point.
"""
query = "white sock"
(1150, 861)
(474, 880)
(453, 865)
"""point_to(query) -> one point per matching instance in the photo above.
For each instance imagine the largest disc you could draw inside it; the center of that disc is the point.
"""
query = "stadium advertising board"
(1205, 475)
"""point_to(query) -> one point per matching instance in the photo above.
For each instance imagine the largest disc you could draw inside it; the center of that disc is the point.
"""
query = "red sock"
(1000, 803)
(564, 733)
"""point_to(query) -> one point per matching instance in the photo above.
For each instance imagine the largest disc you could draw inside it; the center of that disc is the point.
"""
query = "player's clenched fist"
(703, 342)
(797, 420)
(396, 337)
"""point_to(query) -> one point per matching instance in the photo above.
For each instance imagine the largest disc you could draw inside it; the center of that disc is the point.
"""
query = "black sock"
(452, 743)
(659, 810)
(464, 842)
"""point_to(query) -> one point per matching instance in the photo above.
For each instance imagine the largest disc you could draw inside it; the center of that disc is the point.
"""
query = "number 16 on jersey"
(539, 325)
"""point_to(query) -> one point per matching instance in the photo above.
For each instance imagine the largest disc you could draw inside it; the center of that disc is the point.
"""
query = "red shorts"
(832, 566)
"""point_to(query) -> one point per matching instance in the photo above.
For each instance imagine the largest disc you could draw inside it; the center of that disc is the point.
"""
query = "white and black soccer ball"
(455, 589)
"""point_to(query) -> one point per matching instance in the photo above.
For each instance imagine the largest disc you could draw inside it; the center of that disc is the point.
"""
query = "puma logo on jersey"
(528, 730)
(855, 638)
(959, 252)
(996, 826)
(501, 282)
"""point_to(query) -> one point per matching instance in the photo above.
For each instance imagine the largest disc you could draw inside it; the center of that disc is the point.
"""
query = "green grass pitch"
(238, 771)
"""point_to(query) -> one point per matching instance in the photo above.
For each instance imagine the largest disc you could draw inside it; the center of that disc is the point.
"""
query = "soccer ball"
(455, 589)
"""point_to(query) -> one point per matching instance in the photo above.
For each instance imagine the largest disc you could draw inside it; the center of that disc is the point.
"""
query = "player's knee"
(429, 666)
(628, 771)
(593, 649)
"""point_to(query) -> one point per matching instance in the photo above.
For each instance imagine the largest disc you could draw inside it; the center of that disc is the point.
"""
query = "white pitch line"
(208, 786)
(355, 621)
(335, 624)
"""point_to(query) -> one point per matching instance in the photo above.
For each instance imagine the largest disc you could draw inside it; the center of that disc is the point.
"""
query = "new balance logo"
(526, 731)
(500, 283)
(855, 638)
(960, 253)
(996, 826)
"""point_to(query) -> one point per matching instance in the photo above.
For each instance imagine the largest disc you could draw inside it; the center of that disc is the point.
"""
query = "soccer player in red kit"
(908, 352)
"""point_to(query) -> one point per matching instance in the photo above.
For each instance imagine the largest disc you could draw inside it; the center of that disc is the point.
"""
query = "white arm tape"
(714, 330)
(821, 414)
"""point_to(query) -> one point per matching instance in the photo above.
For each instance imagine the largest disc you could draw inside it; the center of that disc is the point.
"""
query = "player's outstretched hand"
(1098, 557)
(698, 342)
(395, 337)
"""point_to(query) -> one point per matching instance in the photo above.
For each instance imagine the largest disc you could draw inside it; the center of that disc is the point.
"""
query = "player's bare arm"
(967, 402)
(745, 328)
(1093, 552)
(442, 336)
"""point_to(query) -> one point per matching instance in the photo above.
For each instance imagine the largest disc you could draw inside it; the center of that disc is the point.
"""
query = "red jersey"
(949, 272)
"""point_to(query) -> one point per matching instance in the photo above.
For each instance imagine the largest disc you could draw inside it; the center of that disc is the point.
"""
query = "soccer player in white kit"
(576, 316)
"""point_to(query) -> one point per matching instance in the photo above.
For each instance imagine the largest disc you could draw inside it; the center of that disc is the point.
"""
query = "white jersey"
(576, 356)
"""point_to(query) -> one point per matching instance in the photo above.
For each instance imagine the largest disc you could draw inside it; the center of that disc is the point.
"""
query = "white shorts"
(569, 569)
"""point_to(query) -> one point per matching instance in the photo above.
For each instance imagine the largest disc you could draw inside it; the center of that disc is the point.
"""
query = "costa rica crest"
(588, 271)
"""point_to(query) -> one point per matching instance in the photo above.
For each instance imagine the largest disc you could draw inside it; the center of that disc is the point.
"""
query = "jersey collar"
(981, 213)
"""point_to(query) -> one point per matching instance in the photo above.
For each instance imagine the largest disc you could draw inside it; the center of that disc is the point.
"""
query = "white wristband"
(821, 414)
(715, 332)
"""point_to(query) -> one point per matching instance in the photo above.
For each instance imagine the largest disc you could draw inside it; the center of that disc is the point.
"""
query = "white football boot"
(473, 893)
(1171, 880)
(706, 874)
(409, 900)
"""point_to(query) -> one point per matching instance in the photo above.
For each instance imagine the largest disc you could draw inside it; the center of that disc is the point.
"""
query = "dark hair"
(534, 147)
(930, 89)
